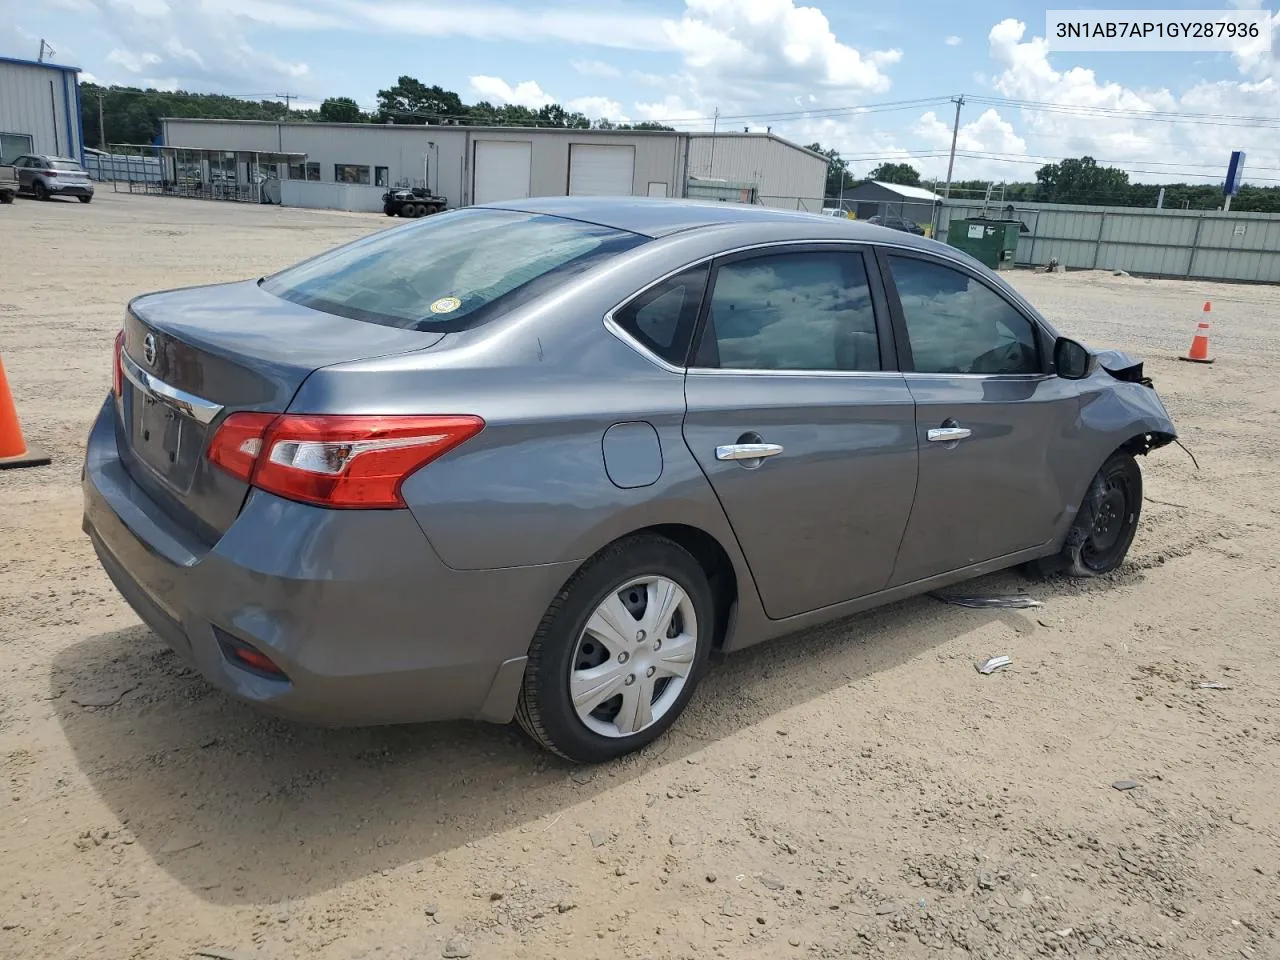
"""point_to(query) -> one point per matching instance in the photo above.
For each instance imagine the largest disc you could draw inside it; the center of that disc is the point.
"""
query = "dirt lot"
(857, 790)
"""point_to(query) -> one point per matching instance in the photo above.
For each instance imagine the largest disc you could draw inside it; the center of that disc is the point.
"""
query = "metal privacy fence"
(1188, 244)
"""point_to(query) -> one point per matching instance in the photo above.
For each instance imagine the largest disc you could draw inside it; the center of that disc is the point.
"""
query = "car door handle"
(748, 451)
(948, 434)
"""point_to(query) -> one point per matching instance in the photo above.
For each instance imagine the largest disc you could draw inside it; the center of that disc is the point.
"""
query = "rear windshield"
(66, 165)
(450, 271)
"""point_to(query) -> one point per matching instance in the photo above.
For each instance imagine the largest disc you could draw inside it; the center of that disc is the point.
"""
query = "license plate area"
(163, 438)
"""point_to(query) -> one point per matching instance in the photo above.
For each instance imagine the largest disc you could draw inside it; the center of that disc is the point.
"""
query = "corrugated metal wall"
(783, 175)
(43, 103)
(1199, 244)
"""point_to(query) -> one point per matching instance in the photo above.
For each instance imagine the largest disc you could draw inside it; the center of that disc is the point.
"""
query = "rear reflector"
(335, 461)
(117, 368)
(244, 655)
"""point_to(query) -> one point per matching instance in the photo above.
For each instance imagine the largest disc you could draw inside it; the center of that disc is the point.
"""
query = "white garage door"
(502, 170)
(601, 171)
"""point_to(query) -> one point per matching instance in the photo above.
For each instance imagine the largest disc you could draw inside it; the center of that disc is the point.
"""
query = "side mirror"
(1071, 361)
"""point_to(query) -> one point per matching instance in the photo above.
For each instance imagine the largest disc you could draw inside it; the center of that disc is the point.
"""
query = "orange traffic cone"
(1199, 352)
(14, 451)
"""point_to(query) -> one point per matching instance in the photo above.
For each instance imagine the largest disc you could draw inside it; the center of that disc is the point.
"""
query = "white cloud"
(774, 42)
(598, 108)
(953, 41)
(527, 93)
(1095, 116)
(133, 62)
(596, 68)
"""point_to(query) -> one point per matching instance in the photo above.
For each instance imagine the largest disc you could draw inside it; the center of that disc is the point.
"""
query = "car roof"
(657, 217)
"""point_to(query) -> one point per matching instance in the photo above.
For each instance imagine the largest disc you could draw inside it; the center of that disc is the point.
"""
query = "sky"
(872, 80)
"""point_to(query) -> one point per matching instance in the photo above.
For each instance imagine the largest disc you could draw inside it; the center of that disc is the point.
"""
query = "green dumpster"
(993, 242)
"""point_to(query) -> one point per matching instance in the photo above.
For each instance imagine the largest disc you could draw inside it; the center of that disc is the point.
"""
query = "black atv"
(412, 202)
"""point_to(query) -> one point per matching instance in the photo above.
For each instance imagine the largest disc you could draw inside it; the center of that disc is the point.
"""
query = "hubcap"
(634, 657)
(1109, 520)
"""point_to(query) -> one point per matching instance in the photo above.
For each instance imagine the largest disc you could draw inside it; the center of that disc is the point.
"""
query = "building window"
(304, 171)
(381, 177)
(350, 173)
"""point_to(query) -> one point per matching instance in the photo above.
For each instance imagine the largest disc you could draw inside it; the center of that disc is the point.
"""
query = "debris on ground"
(1016, 602)
(456, 949)
(103, 697)
(1212, 685)
(992, 664)
(1126, 784)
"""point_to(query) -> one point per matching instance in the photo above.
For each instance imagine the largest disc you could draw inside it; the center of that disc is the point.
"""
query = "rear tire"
(421, 210)
(630, 633)
(39, 191)
(6, 197)
(1103, 530)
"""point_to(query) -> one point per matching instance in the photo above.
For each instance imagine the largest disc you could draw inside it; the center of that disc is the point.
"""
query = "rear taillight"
(51, 173)
(335, 461)
(117, 366)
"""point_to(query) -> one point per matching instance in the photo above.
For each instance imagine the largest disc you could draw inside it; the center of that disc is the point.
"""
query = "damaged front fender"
(1125, 406)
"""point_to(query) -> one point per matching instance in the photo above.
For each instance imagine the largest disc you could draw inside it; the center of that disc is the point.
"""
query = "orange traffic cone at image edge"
(1199, 352)
(14, 451)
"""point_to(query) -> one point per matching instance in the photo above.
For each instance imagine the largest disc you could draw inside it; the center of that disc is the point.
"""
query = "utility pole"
(287, 98)
(955, 133)
(715, 123)
(43, 47)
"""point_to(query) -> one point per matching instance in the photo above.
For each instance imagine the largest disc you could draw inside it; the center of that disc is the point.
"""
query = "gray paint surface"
(389, 615)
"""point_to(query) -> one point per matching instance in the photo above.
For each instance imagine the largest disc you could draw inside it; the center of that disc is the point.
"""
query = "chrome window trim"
(199, 409)
(616, 329)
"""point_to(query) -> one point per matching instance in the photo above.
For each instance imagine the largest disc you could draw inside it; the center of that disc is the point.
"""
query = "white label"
(975, 231)
(1239, 230)
(1136, 31)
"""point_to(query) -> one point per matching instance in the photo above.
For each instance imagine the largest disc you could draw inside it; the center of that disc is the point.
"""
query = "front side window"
(663, 317)
(350, 173)
(791, 311)
(450, 271)
(957, 324)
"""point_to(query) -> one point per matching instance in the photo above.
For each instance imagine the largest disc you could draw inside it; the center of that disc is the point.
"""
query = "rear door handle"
(948, 434)
(747, 451)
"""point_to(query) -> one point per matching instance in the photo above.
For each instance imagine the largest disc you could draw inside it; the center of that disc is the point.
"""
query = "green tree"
(1082, 181)
(341, 110)
(903, 174)
(838, 177)
(410, 100)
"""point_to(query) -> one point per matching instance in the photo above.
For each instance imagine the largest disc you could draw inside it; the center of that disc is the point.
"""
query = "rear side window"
(663, 317)
(66, 165)
(450, 271)
(791, 311)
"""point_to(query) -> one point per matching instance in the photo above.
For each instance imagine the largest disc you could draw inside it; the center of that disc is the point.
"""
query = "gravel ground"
(856, 790)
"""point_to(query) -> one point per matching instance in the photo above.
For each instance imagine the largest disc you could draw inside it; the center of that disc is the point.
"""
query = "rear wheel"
(1103, 531)
(6, 197)
(620, 651)
(39, 191)
(422, 210)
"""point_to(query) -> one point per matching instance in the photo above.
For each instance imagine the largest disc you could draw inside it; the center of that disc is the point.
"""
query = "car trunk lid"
(192, 357)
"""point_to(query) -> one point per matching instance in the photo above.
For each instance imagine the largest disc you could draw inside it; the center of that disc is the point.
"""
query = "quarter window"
(957, 324)
(663, 317)
(791, 311)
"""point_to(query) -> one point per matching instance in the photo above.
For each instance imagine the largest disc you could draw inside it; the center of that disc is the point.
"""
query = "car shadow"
(246, 809)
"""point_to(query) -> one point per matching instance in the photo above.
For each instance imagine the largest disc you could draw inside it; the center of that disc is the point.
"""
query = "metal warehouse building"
(347, 166)
(39, 109)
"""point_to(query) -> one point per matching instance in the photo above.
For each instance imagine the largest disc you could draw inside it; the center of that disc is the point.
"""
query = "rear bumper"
(354, 606)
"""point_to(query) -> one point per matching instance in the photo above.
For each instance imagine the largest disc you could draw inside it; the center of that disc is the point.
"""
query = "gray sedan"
(539, 459)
